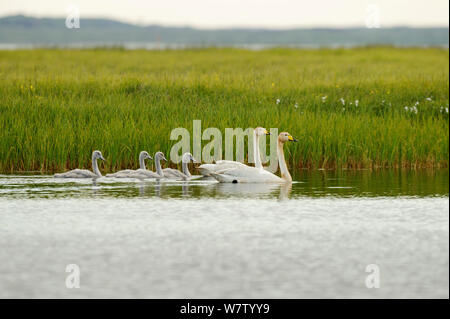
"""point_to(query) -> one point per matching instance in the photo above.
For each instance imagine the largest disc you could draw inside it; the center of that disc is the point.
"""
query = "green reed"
(56, 106)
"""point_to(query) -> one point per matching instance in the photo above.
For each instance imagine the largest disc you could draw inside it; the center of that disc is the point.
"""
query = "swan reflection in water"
(221, 190)
(256, 190)
(185, 189)
(193, 189)
(188, 189)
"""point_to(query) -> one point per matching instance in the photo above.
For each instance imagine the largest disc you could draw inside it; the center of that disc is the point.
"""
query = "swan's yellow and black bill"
(290, 138)
(268, 133)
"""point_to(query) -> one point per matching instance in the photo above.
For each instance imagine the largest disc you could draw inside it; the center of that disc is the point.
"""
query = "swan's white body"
(84, 173)
(171, 173)
(250, 174)
(209, 169)
(131, 173)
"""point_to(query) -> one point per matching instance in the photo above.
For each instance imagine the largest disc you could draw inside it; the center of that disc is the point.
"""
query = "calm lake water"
(201, 239)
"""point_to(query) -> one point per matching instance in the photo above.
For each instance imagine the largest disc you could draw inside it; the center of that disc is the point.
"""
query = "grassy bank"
(56, 106)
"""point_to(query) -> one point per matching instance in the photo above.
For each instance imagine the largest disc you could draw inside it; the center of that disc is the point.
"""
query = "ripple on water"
(203, 239)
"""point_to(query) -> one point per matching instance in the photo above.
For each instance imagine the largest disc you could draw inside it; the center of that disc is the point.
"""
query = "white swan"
(129, 172)
(207, 169)
(250, 174)
(84, 173)
(159, 156)
(171, 173)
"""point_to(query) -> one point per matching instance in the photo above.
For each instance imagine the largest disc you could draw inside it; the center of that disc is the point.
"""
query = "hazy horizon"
(252, 14)
(225, 27)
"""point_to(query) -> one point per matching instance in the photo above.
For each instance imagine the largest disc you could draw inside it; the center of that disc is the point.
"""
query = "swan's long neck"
(159, 170)
(185, 168)
(257, 155)
(95, 166)
(283, 168)
(142, 161)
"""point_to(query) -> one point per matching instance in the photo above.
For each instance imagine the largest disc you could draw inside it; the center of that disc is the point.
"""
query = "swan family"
(224, 171)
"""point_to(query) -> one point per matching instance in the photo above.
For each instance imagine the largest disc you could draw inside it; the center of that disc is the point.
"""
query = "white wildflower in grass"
(429, 99)
(278, 101)
(446, 110)
(417, 103)
(412, 109)
(342, 101)
(324, 98)
(356, 102)
(296, 105)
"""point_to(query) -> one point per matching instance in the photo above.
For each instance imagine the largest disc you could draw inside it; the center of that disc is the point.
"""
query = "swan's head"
(187, 158)
(260, 131)
(284, 137)
(97, 155)
(145, 155)
(159, 156)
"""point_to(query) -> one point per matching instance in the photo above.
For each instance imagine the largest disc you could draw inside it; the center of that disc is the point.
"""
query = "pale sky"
(244, 13)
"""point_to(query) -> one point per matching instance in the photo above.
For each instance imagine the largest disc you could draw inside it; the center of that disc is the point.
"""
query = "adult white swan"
(207, 169)
(250, 174)
(171, 173)
(84, 173)
(127, 173)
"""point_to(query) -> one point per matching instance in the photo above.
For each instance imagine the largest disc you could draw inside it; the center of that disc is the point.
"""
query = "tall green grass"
(56, 106)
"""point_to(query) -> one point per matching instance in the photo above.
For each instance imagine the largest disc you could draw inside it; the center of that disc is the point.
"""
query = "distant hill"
(21, 30)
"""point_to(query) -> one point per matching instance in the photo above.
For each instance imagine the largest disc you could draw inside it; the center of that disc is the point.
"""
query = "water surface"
(201, 239)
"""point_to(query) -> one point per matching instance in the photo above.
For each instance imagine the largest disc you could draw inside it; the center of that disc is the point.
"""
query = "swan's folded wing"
(230, 163)
(76, 173)
(121, 174)
(207, 169)
(239, 171)
(145, 174)
(173, 173)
